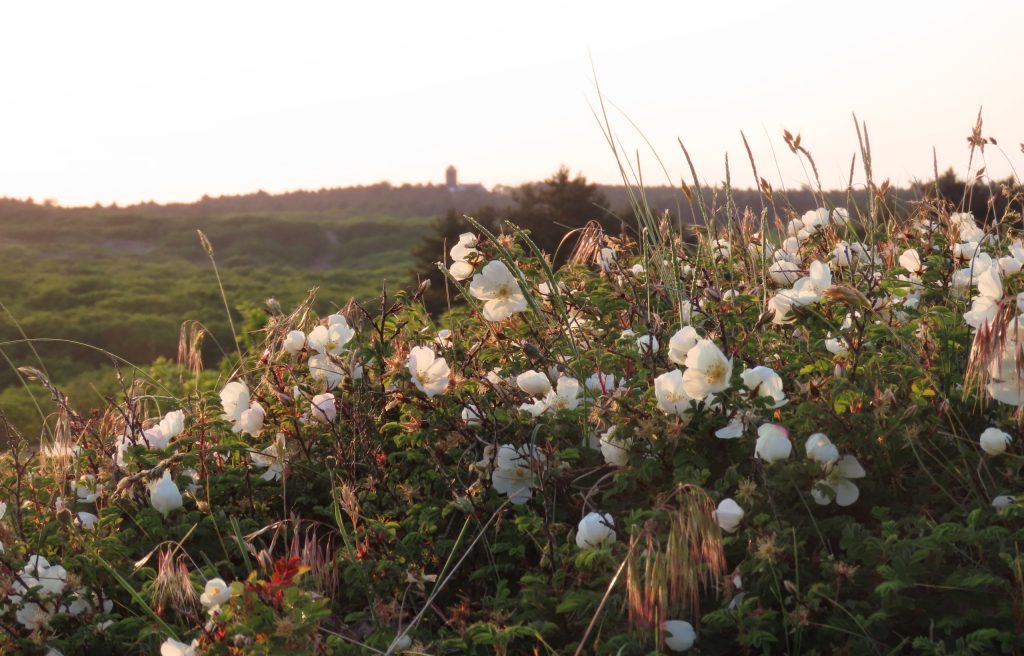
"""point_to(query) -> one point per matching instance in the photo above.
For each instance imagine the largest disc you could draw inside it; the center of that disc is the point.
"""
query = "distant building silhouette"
(451, 182)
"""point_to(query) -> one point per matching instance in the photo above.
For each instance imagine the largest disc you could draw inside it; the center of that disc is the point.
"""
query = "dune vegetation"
(783, 432)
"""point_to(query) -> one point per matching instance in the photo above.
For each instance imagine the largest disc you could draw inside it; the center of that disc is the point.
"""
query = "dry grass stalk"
(666, 580)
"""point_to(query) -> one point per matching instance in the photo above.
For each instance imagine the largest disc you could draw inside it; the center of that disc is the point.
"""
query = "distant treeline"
(431, 200)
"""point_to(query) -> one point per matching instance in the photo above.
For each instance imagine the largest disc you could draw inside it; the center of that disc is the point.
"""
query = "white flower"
(460, 270)
(767, 383)
(472, 415)
(615, 452)
(838, 480)
(1006, 385)
(707, 370)
(679, 635)
(820, 449)
(429, 373)
(602, 383)
(322, 368)
(671, 393)
(606, 259)
(514, 472)
(496, 285)
(544, 288)
(332, 338)
(294, 341)
(172, 424)
(647, 344)
(155, 438)
(87, 519)
(772, 443)
(172, 647)
(215, 593)
(686, 310)
(565, 396)
(994, 441)
(323, 408)
(86, 489)
(784, 272)
(836, 345)
(911, 261)
(1002, 501)
(251, 421)
(164, 494)
(235, 400)
(781, 306)
(843, 255)
(32, 616)
(273, 458)
(594, 530)
(986, 303)
(729, 515)
(734, 429)
(465, 248)
(444, 338)
(533, 383)
(681, 343)
(461, 253)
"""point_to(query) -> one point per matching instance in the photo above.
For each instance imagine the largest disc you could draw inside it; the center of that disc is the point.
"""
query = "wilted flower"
(606, 259)
(496, 285)
(429, 373)
(594, 530)
(164, 494)
(838, 481)
(994, 441)
(679, 635)
(729, 515)
(772, 443)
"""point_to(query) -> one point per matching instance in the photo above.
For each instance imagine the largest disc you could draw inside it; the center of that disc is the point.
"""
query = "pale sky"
(131, 101)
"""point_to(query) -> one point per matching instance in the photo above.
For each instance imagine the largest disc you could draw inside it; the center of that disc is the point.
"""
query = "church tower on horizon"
(451, 179)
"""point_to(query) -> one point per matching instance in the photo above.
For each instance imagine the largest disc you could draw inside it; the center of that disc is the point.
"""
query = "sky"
(135, 101)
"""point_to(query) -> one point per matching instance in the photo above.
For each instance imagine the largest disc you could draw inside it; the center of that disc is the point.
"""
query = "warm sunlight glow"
(126, 101)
